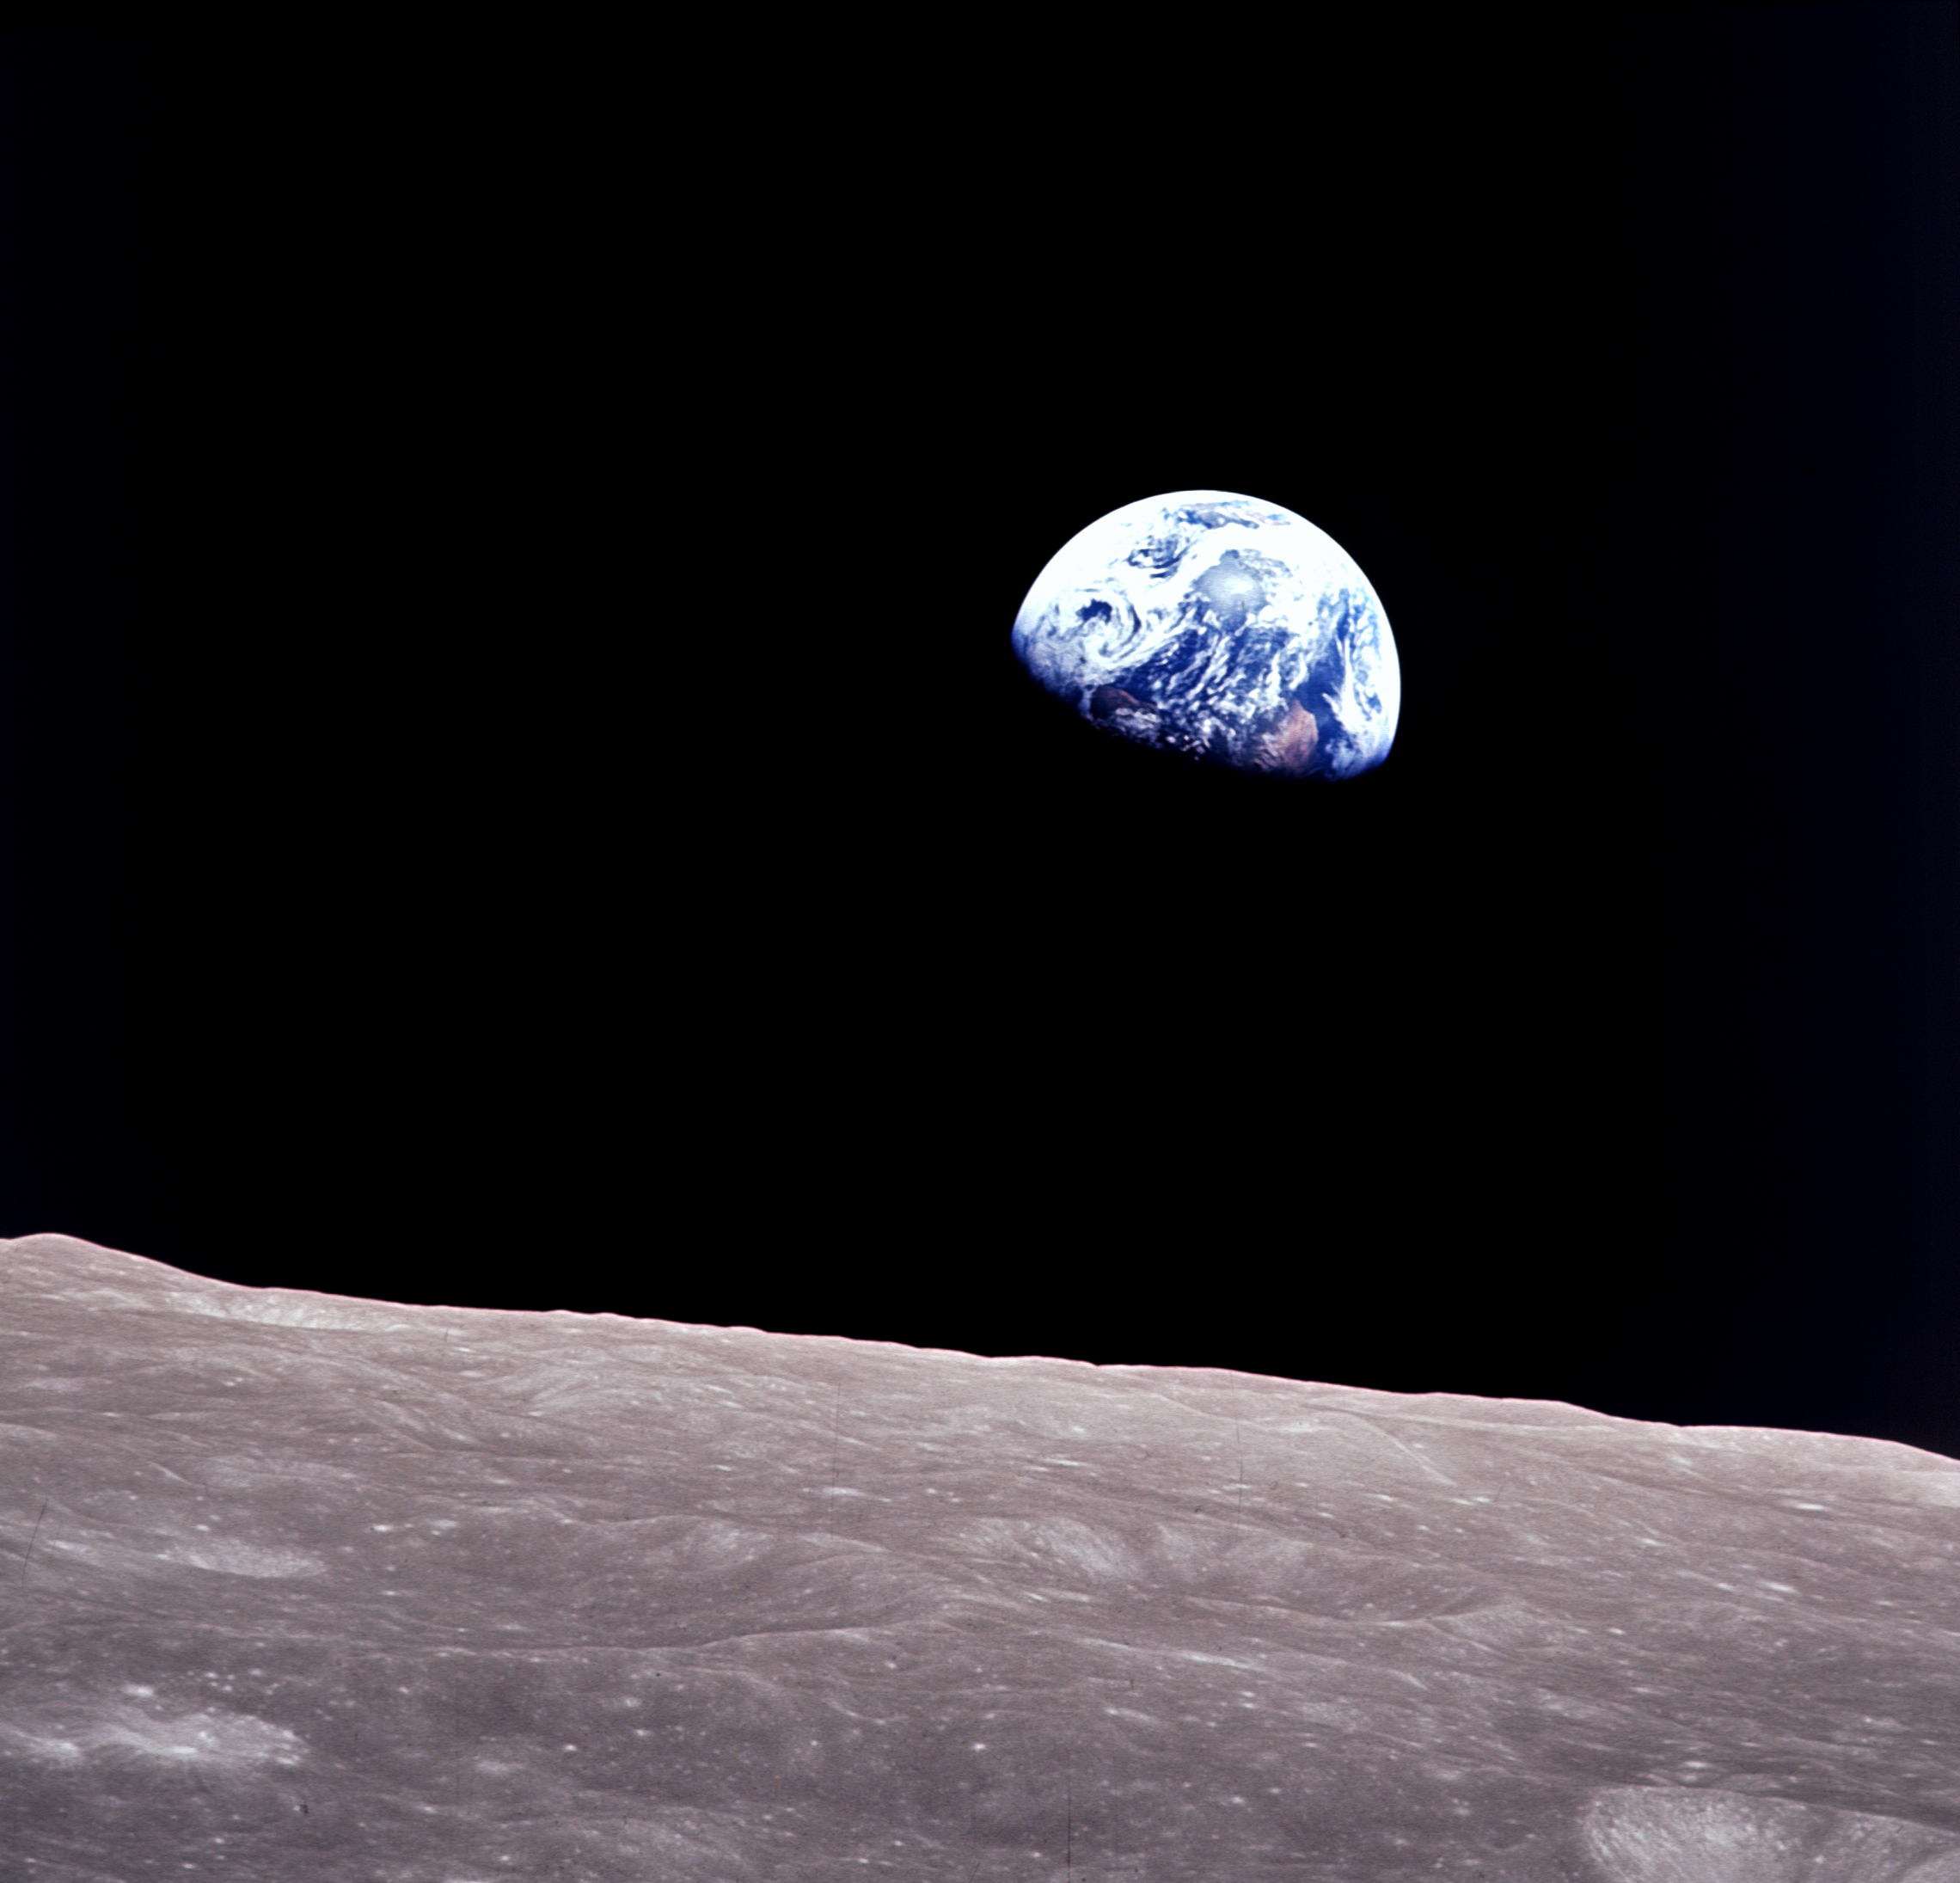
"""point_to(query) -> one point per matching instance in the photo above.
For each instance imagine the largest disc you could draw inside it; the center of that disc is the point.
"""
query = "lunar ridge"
(301, 1586)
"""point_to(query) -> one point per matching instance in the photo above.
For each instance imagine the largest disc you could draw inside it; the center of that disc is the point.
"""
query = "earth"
(1222, 627)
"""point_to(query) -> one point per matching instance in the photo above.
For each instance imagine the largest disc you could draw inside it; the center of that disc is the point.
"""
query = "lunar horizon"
(307, 1586)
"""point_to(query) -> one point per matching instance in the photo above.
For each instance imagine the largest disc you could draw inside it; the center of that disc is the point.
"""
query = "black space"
(517, 793)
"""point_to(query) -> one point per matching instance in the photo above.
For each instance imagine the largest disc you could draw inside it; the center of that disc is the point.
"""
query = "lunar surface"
(308, 1588)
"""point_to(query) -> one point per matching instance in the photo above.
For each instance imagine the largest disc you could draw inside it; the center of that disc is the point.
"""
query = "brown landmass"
(1290, 749)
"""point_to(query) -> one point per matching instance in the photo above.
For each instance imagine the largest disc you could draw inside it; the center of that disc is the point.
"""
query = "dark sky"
(517, 792)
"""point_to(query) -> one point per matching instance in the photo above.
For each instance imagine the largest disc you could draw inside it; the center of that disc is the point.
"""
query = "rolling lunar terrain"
(304, 1589)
